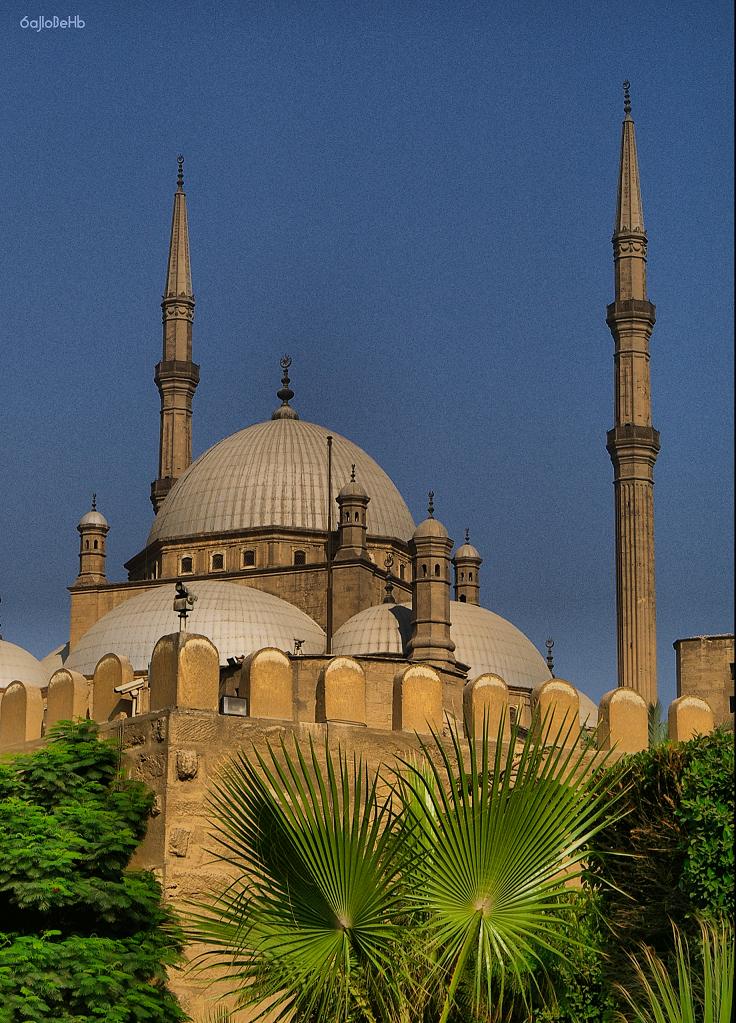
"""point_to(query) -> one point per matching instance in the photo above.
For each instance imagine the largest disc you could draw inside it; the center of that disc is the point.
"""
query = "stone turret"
(467, 562)
(352, 525)
(633, 443)
(93, 529)
(430, 630)
(176, 375)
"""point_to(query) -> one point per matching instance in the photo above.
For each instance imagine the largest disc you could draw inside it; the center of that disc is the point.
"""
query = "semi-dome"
(483, 640)
(275, 474)
(17, 664)
(238, 620)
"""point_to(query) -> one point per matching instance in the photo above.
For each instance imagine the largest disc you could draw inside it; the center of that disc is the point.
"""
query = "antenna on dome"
(285, 393)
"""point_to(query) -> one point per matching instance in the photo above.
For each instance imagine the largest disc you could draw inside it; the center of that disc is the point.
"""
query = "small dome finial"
(180, 175)
(388, 562)
(352, 473)
(285, 393)
(94, 502)
(467, 535)
(627, 98)
(550, 659)
(430, 505)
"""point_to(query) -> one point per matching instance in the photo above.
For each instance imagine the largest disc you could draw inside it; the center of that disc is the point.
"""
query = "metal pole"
(328, 630)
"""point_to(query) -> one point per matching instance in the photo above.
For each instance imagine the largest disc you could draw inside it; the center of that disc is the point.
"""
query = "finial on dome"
(388, 562)
(430, 505)
(352, 473)
(180, 175)
(467, 535)
(550, 659)
(94, 502)
(627, 98)
(285, 393)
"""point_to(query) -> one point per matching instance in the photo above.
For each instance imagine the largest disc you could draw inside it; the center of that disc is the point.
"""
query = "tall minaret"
(176, 375)
(633, 443)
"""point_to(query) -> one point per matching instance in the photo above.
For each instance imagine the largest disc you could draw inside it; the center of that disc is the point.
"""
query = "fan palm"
(350, 906)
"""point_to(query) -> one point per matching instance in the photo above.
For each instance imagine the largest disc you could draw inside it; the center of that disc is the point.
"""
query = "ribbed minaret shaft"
(633, 443)
(176, 375)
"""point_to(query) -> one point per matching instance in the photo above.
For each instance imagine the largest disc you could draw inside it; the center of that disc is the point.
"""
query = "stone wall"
(704, 669)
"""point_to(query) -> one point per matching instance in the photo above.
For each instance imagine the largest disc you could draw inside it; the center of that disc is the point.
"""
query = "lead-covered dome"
(238, 620)
(275, 474)
(483, 640)
(18, 665)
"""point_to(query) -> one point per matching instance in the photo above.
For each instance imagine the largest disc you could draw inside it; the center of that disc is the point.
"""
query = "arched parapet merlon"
(185, 672)
(486, 704)
(267, 684)
(556, 711)
(689, 716)
(21, 715)
(67, 697)
(417, 703)
(623, 722)
(341, 692)
(111, 672)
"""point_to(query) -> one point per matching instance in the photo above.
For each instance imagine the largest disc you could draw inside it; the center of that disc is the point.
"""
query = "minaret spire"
(176, 375)
(633, 443)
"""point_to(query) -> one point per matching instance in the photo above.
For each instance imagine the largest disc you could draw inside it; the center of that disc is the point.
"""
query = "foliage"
(80, 938)
(661, 1000)
(656, 725)
(427, 902)
(674, 848)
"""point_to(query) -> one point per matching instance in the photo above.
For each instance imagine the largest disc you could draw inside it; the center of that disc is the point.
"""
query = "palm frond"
(505, 830)
(307, 928)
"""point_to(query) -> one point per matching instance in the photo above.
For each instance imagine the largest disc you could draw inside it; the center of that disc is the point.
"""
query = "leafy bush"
(673, 852)
(81, 939)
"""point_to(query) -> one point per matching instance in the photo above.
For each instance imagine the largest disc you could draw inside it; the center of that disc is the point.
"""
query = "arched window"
(249, 559)
(401, 571)
(470, 577)
(218, 562)
(463, 598)
(357, 517)
(424, 571)
(186, 566)
(436, 569)
(300, 558)
(347, 516)
(462, 577)
(95, 545)
(86, 545)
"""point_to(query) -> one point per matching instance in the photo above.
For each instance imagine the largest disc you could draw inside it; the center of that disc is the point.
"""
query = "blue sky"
(415, 200)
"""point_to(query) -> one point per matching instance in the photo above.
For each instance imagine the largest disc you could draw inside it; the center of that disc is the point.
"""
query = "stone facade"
(705, 669)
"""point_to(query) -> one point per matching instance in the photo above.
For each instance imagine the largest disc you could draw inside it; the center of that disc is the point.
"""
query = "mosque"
(285, 590)
(290, 537)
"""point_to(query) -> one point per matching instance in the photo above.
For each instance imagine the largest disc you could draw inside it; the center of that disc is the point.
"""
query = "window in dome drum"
(218, 562)
(300, 558)
(249, 559)
(186, 566)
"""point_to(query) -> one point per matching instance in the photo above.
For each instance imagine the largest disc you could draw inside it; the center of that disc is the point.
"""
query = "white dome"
(238, 620)
(275, 474)
(17, 664)
(93, 518)
(483, 640)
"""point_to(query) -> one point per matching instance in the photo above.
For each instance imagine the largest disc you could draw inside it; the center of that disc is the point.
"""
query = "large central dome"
(275, 474)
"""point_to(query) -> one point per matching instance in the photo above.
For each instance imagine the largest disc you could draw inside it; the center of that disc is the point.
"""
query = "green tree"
(673, 851)
(81, 938)
(433, 901)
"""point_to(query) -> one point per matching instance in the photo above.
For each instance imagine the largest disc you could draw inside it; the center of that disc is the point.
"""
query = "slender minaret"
(176, 375)
(633, 443)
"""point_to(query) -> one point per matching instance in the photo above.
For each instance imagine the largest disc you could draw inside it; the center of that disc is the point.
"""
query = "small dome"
(93, 518)
(467, 551)
(275, 474)
(17, 664)
(352, 489)
(238, 620)
(483, 640)
(430, 528)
